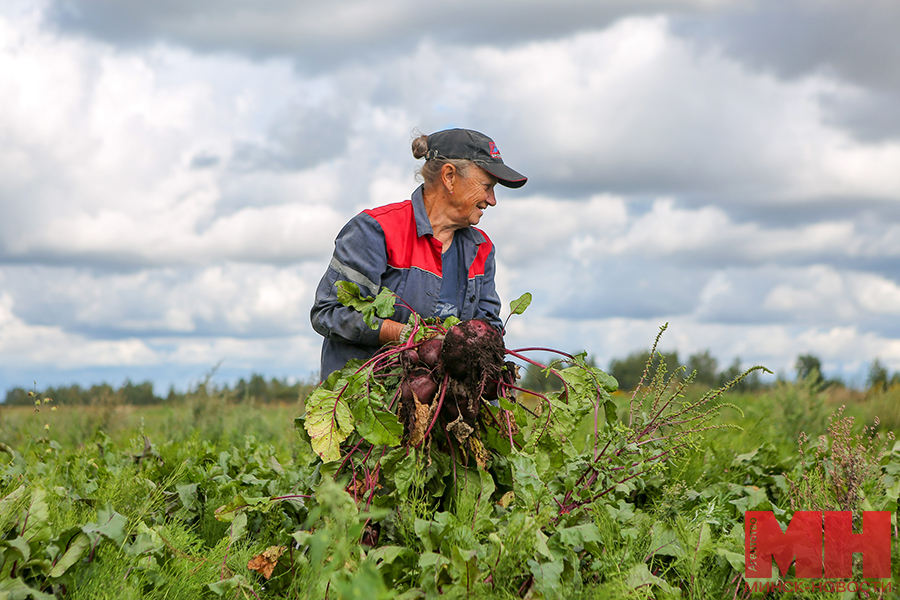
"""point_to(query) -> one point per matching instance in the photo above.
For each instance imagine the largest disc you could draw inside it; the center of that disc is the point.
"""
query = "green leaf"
(384, 303)
(187, 493)
(664, 541)
(528, 484)
(546, 576)
(640, 576)
(376, 425)
(381, 305)
(328, 423)
(380, 427)
(16, 589)
(387, 555)
(146, 541)
(365, 583)
(232, 510)
(9, 507)
(110, 525)
(734, 559)
(400, 466)
(577, 537)
(348, 294)
(450, 322)
(77, 547)
(224, 587)
(518, 306)
(609, 409)
(37, 519)
(22, 546)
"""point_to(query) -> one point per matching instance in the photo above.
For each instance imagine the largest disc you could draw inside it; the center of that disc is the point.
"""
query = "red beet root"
(410, 358)
(423, 386)
(430, 352)
(472, 350)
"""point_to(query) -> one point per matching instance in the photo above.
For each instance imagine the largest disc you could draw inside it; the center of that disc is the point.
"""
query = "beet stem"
(440, 403)
(551, 350)
(452, 451)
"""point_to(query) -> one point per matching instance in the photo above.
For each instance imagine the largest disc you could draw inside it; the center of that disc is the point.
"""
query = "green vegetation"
(576, 490)
(122, 503)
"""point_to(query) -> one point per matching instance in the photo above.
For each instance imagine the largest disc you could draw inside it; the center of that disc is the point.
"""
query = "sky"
(173, 175)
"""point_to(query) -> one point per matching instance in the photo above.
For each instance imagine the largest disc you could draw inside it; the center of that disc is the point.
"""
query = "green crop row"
(208, 499)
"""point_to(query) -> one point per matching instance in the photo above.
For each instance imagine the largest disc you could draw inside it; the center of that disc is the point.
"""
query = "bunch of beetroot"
(447, 377)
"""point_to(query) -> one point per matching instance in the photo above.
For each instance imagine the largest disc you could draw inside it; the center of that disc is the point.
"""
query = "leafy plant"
(437, 418)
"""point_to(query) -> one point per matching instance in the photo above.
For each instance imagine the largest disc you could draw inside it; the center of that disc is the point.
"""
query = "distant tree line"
(879, 378)
(256, 389)
(627, 372)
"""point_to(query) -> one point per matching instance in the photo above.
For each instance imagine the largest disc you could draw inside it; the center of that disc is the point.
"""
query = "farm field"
(210, 497)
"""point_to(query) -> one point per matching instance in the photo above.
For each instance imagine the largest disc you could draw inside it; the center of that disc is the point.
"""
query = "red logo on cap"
(494, 152)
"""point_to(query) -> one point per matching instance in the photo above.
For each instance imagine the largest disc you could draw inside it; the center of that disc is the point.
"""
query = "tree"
(878, 376)
(809, 366)
(628, 371)
(706, 367)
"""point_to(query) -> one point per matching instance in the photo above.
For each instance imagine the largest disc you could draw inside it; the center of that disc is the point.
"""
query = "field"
(211, 497)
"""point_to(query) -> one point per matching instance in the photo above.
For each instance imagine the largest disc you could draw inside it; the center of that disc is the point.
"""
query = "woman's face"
(471, 196)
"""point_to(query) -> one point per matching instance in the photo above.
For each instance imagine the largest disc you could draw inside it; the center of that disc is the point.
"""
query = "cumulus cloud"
(171, 180)
(230, 299)
(321, 36)
(26, 345)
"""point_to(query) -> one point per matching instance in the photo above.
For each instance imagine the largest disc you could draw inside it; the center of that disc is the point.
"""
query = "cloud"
(224, 300)
(320, 36)
(25, 345)
(171, 180)
(607, 229)
(852, 42)
(636, 109)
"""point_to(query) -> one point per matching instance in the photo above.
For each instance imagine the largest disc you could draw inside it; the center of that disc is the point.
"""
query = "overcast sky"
(173, 174)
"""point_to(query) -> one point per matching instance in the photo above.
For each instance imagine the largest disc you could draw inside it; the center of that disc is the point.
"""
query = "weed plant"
(177, 501)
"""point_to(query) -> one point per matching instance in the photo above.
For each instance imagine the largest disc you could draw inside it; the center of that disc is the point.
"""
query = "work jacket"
(394, 247)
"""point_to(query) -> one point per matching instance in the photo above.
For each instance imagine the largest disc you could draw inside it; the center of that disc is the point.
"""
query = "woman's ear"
(449, 176)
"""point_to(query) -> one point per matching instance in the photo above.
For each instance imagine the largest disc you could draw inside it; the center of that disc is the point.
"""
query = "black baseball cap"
(477, 147)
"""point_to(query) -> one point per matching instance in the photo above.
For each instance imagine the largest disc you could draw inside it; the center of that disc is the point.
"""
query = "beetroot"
(423, 386)
(473, 350)
(417, 390)
(430, 351)
(409, 358)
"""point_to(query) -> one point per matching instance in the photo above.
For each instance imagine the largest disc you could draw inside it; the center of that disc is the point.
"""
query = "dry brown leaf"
(508, 422)
(460, 429)
(422, 421)
(265, 561)
(482, 456)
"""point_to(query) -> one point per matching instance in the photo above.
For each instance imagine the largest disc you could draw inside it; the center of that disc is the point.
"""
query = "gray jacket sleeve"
(359, 257)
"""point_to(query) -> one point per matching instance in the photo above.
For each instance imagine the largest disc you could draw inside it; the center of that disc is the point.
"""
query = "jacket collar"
(423, 225)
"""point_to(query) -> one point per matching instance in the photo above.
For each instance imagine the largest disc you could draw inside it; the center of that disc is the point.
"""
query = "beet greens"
(441, 416)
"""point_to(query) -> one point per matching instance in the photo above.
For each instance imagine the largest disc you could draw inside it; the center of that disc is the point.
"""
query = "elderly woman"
(425, 249)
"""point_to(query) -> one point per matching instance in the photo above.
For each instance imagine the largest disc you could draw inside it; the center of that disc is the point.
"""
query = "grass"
(167, 468)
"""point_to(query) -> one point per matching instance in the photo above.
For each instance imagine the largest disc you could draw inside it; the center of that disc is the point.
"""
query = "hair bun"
(420, 146)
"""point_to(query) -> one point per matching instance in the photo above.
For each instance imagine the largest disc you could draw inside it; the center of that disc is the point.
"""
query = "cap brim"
(505, 176)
